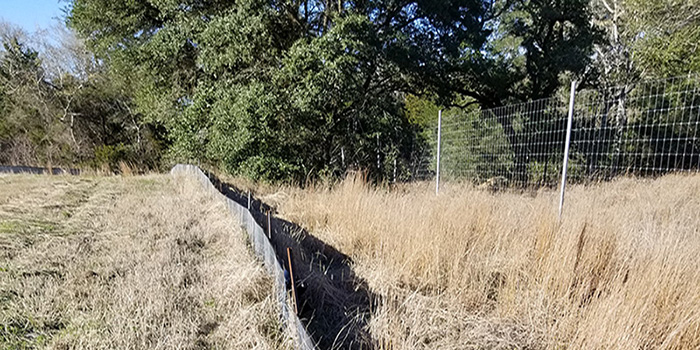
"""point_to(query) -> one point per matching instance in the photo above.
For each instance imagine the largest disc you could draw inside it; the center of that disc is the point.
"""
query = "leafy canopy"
(297, 88)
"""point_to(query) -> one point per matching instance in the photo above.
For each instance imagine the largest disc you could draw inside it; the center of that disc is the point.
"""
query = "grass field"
(151, 262)
(473, 269)
(127, 263)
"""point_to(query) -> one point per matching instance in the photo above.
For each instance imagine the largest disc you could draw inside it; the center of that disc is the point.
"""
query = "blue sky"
(30, 14)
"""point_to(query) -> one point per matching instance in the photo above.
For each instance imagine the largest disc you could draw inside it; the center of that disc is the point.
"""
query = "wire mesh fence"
(645, 129)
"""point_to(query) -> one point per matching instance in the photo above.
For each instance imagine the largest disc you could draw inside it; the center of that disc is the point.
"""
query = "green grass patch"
(25, 333)
(15, 226)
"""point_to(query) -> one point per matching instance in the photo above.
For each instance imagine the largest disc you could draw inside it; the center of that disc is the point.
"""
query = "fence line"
(263, 250)
(645, 129)
(12, 169)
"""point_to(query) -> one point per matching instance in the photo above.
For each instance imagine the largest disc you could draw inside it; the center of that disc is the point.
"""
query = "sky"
(31, 14)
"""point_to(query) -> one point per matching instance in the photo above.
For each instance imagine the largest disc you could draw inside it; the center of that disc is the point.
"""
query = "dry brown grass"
(127, 263)
(472, 269)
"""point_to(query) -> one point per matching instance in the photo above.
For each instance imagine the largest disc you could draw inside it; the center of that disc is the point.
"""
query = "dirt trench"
(333, 302)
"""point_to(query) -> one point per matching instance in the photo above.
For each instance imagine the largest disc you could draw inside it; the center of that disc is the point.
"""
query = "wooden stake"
(291, 278)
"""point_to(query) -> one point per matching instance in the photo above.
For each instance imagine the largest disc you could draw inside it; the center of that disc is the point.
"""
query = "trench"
(334, 303)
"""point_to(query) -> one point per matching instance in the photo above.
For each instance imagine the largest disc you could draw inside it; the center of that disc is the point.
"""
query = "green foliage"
(4, 128)
(296, 89)
(477, 147)
(669, 32)
(61, 117)
(318, 87)
(110, 156)
(29, 107)
(528, 47)
(421, 111)
(645, 40)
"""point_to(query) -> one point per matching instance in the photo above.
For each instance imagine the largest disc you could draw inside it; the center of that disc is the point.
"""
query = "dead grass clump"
(472, 269)
(128, 263)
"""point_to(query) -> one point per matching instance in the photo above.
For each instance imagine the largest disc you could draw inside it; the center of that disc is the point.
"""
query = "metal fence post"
(567, 144)
(437, 170)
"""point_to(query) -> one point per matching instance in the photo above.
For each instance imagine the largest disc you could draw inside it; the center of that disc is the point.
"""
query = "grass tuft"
(129, 263)
(475, 269)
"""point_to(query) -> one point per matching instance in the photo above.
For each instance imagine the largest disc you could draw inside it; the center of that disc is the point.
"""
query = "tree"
(273, 89)
(645, 39)
(530, 46)
(59, 105)
(296, 88)
(668, 33)
(613, 75)
(29, 107)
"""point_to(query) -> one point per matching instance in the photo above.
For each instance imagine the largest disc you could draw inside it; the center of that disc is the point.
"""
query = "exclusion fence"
(592, 134)
(34, 170)
(263, 250)
(646, 129)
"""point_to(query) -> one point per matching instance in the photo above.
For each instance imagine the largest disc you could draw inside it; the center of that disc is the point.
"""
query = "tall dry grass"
(473, 269)
(127, 263)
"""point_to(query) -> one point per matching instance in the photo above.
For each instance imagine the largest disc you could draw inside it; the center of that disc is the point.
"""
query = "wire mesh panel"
(517, 145)
(645, 129)
(423, 156)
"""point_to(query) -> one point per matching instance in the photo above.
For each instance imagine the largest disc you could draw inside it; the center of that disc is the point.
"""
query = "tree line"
(299, 89)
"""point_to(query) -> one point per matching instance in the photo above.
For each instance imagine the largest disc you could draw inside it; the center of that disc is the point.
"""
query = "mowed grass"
(127, 263)
(470, 269)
